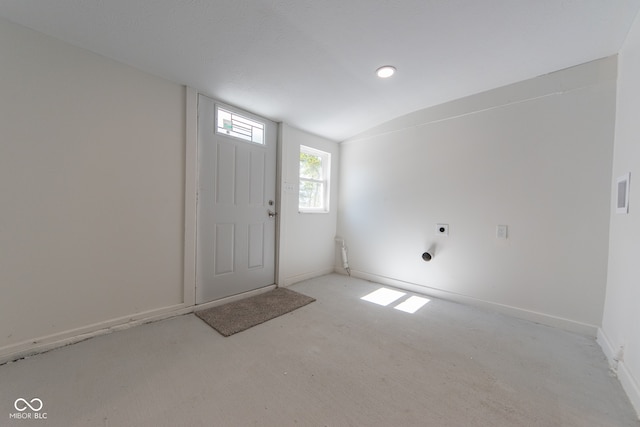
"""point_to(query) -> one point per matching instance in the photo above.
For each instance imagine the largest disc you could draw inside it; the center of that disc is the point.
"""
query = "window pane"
(314, 180)
(310, 166)
(311, 195)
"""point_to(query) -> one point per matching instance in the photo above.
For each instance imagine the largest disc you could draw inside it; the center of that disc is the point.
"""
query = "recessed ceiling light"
(385, 71)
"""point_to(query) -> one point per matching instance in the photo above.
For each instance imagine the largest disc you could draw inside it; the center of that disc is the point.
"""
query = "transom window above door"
(239, 126)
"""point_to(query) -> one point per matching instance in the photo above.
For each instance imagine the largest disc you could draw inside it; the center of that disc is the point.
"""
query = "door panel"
(256, 245)
(257, 166)
(225, 248)
(236, 190)
(225, 175)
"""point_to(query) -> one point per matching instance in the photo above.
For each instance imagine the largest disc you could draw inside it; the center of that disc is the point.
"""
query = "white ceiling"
(311, 63)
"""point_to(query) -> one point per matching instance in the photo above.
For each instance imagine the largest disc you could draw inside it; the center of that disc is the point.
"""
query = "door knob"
(272, 214)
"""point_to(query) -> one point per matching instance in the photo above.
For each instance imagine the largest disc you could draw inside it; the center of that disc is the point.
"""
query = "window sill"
(313, 212)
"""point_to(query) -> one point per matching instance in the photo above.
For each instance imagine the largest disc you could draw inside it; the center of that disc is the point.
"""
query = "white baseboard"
(628, 381)
(630, 386)
(64, 338)
(607, 349)
(532, 316)
(61, 339)
(302, 277)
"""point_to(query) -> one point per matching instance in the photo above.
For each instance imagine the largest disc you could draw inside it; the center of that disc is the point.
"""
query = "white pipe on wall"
(343, 252)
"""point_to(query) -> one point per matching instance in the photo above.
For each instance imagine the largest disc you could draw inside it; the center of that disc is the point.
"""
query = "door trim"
(190, 196)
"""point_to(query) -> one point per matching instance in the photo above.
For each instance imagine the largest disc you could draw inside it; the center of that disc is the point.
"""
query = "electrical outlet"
(442, 229)
(289, 187)
(501, 231)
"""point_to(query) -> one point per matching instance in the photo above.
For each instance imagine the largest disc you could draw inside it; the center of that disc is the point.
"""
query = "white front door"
(236, 201)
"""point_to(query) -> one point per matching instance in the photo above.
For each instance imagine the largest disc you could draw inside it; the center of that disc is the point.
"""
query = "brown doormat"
(234, 317)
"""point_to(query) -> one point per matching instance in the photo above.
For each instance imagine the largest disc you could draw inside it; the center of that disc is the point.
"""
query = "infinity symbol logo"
(23, 404)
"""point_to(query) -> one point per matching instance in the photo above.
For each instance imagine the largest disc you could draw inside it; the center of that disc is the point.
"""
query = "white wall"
(621, 321)
(307, 246)
(535, 156)
(92, 189)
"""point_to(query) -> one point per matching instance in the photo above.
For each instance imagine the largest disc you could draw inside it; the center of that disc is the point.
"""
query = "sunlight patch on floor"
(383, 296)
(412, 304)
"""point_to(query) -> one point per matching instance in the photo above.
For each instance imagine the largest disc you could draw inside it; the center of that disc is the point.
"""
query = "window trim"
(326, 181)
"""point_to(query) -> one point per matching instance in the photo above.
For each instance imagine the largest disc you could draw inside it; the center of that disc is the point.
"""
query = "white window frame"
(326, 179)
